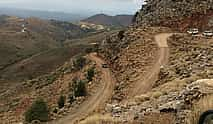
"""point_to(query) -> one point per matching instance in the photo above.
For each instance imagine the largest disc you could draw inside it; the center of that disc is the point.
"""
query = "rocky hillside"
(183, 86)
(182, 90)
(102, 19)
(181, 14)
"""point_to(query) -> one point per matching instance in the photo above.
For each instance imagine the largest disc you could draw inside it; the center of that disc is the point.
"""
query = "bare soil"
(95, 102)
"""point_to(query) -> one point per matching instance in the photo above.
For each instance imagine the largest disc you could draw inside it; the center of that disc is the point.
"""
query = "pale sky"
(77, 6)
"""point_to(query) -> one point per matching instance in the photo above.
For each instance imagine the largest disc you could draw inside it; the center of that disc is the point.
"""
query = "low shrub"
(90, 74)
(61, 101)
(79, 88)
(38, 111)
(79, 62)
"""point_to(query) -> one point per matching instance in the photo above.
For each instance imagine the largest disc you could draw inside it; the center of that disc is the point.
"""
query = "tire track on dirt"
(147, 81)
(94, 102)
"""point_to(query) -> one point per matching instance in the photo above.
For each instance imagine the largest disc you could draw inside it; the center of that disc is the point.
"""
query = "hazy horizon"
(111, 7)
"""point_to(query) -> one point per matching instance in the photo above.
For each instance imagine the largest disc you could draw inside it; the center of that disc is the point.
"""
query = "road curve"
(146, 82)
(94, 102)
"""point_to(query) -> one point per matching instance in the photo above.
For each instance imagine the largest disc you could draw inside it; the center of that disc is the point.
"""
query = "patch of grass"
(157, 94)
(100, 119)
(90, 74)
(142, 98)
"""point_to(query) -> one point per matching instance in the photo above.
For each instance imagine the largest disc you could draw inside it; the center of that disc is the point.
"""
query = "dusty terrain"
(155, 75)
(96, 101)
(32, 62)
(168, 92)
(147, 81)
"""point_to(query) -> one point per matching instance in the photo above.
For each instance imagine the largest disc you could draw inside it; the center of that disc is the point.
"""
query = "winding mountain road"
(105, 92)
(147, 81)
(94, 102)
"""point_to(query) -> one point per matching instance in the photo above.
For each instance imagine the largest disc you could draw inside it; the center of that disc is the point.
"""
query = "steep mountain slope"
(102, 19)
(181, 14)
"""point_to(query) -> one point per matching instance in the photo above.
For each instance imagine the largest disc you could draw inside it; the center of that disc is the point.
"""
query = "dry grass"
(157, 94)
(100, 119)
(201, 106)
(176, 85)
(142, 98)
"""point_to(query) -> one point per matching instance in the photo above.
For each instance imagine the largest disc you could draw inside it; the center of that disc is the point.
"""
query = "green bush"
(55, 110)
(134, 19)
(121, 34)
(79, 62)
(38, 111)
(71, 98)
(90, 74)
(61, 101)
(79, 88)
(89, 50)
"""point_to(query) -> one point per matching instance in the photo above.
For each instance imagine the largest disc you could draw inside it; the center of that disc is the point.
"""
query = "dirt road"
(146, 82)
(105, 92)
(97, 100)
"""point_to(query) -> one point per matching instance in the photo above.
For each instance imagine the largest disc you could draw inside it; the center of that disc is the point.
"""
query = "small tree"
(79, 62)
(89, 50)
(79, 88)
(38, 111)
(90, 74)
(134, 19)
(121, 34)
(61, 101)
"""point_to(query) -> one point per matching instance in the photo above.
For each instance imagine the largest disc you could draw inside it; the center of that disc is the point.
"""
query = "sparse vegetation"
(71, 98)
(79, 88)
(157, 94)
(100, 119)
(38, 111)
(79, 62)
(61, 101)
(135, 17)
(89, 50)
(121, 34)
(90, 73)
(55, 110)
(142, 98)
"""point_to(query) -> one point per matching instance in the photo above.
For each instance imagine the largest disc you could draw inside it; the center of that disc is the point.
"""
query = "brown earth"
(147, 81)
(94, 102)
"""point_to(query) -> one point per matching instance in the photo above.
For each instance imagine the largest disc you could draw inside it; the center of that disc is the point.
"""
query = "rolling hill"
(102, 19)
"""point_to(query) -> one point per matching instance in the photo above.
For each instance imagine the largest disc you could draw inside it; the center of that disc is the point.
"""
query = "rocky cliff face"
(180, 14)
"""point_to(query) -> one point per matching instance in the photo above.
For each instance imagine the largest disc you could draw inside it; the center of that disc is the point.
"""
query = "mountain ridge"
(104, 19)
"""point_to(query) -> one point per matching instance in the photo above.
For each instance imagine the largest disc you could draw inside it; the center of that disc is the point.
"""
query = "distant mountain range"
(102, 19)
(42, 14)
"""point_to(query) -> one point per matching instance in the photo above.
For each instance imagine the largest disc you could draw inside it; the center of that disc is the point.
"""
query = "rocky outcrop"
(190, 57)
(178, 103)
(180, 14)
